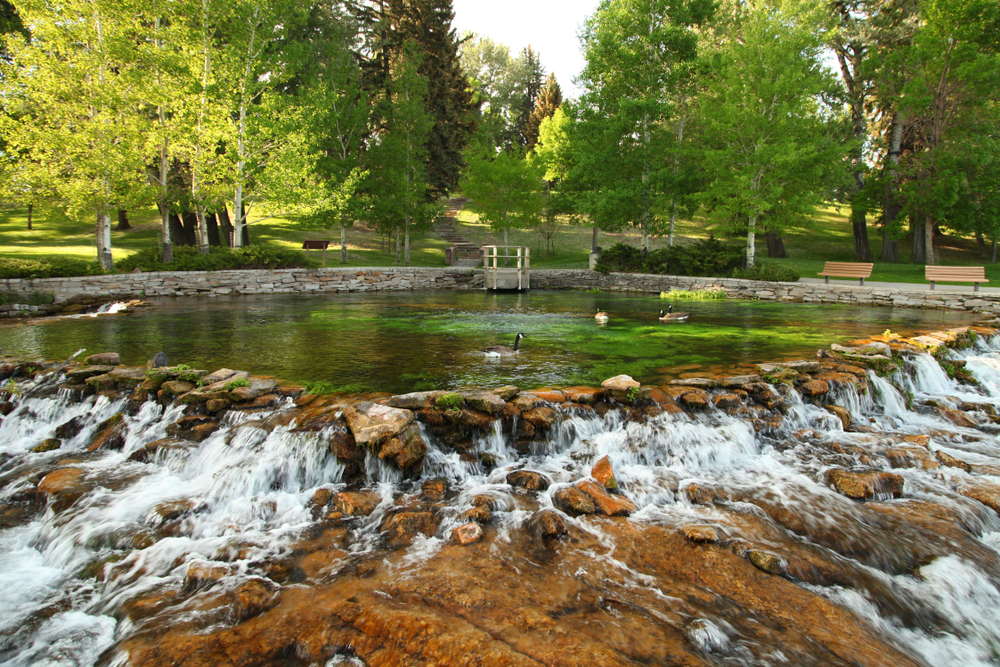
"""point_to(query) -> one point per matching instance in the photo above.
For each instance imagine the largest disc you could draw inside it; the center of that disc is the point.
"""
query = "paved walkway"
(906, 287)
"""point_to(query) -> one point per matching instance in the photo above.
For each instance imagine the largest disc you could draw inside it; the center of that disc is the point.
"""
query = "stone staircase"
(461, 252)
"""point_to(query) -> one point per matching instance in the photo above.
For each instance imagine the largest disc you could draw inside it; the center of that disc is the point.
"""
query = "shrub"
(706, 257)
(187, 258)
(32, 299)
(238, 382)
(768, 271)
(55, 267)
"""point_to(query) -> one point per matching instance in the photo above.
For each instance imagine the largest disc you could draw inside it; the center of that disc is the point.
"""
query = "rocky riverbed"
(839, 510)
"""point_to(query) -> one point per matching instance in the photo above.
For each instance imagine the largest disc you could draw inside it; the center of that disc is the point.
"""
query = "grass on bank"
(827, 237)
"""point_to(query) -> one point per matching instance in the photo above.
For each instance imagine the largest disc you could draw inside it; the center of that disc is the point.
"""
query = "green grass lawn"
(827, 237)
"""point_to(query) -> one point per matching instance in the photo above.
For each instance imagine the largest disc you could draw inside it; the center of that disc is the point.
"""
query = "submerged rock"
(603, 473)
(866, 485)
(468, 534)
(573, 501)
(528, 480)
(372, 423)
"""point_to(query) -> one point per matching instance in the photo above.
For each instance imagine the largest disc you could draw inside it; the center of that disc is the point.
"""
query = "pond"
(410, 341)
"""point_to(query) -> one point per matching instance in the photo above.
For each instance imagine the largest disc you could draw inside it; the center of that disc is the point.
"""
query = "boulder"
(406, 448)
(700, 383)
(911, 456)
(738, 381)
(253, 597)
(867, 484)
(727, 401)
(177, 387)
(550, 395)
(480, 514)
(528, 480)
(484, 401)
(952, 461)
(174, 509)
(60, 481)
(696, 399)
(258, 387)
(611, 505)
(573, 501)
(986, 493)
(957, 417)
(69, 429)
(222, 375)
(842, 413)
(584, 395)
(814, 388)
(467, 534)
(356, 503)
(193, 427)
(765, 561)
(158, 361)
(102, 359)
(507, 392)
(525, 402)
(417, 400)
(603, 473)
(201, 574)
(621, 387)
(400, 529)
(47, 445)
(469, 417)
(700, 533)
(372, 423)
(434, 489)
(547, 524)
(540, 417)
(110, 434)
(128, 376)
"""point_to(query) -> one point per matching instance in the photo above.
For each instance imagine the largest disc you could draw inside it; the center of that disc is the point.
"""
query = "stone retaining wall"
(286, 281)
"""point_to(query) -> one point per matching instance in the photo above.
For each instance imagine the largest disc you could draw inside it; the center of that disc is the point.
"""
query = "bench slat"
(860, 270)
(956, 274)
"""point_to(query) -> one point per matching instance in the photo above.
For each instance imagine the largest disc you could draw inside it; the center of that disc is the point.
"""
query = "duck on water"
(503, 350)
(671, 316)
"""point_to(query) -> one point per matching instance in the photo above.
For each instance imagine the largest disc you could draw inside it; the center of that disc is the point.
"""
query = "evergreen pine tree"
(548, 101)
(531, 80)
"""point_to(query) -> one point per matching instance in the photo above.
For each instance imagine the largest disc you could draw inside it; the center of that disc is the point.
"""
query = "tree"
(397, 158)
(767, 146)
(529, 80)
(546, 105)
(504, 189)
(72, 116)
(636, 52)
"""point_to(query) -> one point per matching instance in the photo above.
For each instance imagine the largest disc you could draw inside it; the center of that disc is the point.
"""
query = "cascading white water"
(248, 488)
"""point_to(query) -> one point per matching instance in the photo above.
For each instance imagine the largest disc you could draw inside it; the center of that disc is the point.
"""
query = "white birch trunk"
(406, 246)
(751, 241)
(103, 236)
(343, 239)
(398, 249)
(645, 185)
(168, 241)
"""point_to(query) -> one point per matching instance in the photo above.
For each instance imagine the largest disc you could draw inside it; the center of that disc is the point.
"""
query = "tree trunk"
(177, 231)
(929, 242)
(981, 245)
(918, 253)
(862, 247)
(212, 222)
(123, 223)
(506, 250)
(103, 235)
(994, 251)
(31, 209)
(751, 241)
(406, 242)
(775, 245)
(190, 228)
(399, 258)
(343, 240)
(890, 245)
(202, 229)
(226, 230)
(593, 242)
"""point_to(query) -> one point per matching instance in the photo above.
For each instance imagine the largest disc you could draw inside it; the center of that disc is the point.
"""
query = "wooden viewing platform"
(507, 277)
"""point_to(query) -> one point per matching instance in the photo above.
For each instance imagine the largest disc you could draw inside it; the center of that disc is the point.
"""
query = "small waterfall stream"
(154, 546)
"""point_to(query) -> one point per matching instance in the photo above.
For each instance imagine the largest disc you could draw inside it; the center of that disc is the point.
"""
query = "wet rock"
(814, 388)
(525, 402)
(222, 375)
(842, 413)
(485, 500)
(158, 361)
(957, 417)
(110, 434)
(727, 401)
(696, 399)
(468, 534)
(253, 597)
(102, 359)
(621, 387)
(911, 456)
(149, 450)
(550, 395)
(47, 445)
(217, 404)
(258, 387)
(128, 377)
(101, 383)
(417, 400)
(372, 424)
(484, 401)
(356, 503)
(603, 473)
(584, 395)
(471, 418)
(547, 524)
(320, 499)
(528, 480)
(835, 378)
(986, 493)
(865, 485)
(176, 387)
(698, 383)
(611, 505)
(480, 514)
(507, 392)
(764, 394)
(69, 429)
(174, 510)
(573, 501)
(434, 489)
(201, 574)
(799, 366)
(765, 561)
(406, 449)
(738, 381)
(702, 494)
(400, 529)
(60, 481)
(700, 533)
(194, 427)
(540, 417)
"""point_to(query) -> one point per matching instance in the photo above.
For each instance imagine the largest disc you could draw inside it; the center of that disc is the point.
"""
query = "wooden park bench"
(859, 270)
(957, 274)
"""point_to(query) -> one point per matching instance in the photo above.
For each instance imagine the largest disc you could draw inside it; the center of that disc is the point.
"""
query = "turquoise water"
(407, 341)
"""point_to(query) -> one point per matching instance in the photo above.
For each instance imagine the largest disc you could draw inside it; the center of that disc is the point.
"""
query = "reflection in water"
(405, 341)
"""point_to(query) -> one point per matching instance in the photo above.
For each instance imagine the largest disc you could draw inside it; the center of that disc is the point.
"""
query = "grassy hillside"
(827, 237)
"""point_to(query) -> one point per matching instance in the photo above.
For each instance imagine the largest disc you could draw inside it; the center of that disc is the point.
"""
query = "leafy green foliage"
(769, 271)
(708, 257)
(450, 401)
(238, 382)
(187, 258)
(694, 294)
(56, 267)
(33, 298)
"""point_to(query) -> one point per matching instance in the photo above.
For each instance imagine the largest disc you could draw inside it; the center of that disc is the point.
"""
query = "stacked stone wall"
(91, 289)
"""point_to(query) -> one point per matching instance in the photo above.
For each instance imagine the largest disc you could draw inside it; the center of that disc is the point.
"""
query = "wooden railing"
(492, 254)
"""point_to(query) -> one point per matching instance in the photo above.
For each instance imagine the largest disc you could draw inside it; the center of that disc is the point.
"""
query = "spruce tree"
(548, 101)
(531, 78)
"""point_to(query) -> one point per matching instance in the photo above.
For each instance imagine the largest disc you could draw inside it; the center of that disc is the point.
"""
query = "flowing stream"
(84, 584)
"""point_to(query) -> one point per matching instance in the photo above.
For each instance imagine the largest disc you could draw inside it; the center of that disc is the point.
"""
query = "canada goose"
(503, 350)
(601, 316)
(672, 316)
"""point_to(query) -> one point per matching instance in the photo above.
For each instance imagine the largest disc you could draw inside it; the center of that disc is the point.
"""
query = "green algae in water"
(417, 341)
